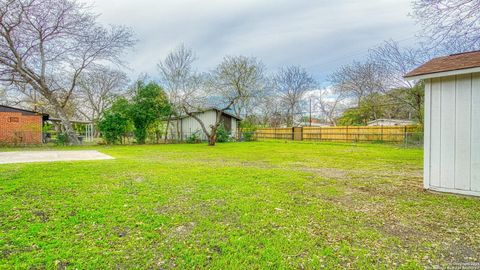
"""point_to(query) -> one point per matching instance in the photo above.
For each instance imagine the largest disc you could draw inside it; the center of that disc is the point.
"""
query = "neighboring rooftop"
(441, 65)
(391, 122)
(4, 108)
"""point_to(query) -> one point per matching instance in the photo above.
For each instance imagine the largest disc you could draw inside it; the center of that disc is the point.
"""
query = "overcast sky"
(320, 35)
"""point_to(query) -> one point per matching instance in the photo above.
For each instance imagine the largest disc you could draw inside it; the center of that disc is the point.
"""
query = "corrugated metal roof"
(4, 108)
(213, 109)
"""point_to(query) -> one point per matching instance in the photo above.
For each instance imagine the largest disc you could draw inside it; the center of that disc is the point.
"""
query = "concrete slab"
(49, 156)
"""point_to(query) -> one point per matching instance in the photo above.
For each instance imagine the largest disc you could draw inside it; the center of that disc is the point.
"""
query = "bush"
(149, 104)
(248, 128)
(62, 139)
(249, 136)
(115, 122)
(193, 138)
(222, 134)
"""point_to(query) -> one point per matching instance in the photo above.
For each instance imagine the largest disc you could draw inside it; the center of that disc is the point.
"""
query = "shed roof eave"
(206, 110)
(442, 74)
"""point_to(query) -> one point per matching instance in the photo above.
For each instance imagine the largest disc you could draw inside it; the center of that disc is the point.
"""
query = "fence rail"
(343, 134)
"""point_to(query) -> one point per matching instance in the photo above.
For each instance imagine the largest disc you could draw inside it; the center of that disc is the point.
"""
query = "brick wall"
(17, 128)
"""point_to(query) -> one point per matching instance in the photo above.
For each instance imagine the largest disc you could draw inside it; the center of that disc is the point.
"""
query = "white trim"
(427, 129)
(443, 74)
(455, 191)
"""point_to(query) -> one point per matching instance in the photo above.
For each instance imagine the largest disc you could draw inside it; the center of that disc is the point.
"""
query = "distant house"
(391, 122)
(186, 126)
(315, 122)
(18, 126)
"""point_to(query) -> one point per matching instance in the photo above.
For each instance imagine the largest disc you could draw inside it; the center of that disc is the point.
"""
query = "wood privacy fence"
(340, 133)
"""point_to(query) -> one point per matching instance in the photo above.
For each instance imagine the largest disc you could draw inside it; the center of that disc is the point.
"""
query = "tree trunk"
(166, 128)
(212, 139)
(67, 126)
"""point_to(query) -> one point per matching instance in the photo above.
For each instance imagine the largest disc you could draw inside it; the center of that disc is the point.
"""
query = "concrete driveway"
(49, 156)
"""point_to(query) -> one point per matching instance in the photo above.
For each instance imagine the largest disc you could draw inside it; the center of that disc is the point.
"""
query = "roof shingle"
(448, 63)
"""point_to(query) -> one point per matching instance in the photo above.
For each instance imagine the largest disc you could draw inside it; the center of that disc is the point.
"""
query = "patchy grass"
(234, 206)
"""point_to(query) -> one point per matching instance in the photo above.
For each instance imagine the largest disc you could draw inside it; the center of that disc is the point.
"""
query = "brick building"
(18, 126)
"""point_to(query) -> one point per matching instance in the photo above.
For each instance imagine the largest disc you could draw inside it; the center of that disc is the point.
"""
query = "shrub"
(193, 138)
(149, 104)
(115, 122)
(249, 136)
(222, 134)
(62, 139)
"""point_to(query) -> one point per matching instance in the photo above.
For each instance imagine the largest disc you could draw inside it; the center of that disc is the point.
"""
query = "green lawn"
(233, 206)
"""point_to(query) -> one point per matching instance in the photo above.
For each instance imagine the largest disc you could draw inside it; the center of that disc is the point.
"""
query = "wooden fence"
(340, 133)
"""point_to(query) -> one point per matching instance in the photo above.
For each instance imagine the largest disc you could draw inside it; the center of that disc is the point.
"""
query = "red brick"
(28, 129)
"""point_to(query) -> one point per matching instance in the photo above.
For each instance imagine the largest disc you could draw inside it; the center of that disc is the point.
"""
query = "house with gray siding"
(183, 127)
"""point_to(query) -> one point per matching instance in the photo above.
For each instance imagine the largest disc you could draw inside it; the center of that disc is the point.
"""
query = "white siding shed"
(452, 126)
(183, 127)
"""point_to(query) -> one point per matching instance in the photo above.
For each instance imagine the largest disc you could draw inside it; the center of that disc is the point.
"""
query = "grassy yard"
(234, 206)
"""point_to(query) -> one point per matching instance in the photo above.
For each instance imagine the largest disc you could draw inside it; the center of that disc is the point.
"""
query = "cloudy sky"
(320, 35)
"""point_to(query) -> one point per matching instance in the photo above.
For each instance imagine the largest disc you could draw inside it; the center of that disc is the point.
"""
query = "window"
(13, 120)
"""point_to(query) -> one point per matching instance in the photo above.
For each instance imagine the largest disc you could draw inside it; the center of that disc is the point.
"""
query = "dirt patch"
(61, 265)
(458, 252)
(402, 232)
(41, 215)
(183, 230)
(328, 173)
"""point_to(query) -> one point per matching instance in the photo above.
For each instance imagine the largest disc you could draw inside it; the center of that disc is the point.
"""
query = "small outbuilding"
(185, 126)
(452, 122)
(19, 126)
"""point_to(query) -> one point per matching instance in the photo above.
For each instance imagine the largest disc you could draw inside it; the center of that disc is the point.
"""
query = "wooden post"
(346, 136)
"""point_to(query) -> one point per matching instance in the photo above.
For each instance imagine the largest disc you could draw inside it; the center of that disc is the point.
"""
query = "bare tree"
(395, 62)
(177, 75)
(97, 90)
(237, 81)
(3, 96)
(233, 80)
(450, 22)
(358, 80)
(329, 104)
(233, 83)
(48, 44)
(292, 83)
(269, 109)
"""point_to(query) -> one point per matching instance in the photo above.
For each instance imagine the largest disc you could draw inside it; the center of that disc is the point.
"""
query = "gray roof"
(392, 120)
(4, 108)
(212, 109)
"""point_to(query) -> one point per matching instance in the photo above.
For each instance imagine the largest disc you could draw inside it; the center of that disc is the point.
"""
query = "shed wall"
(188, 125)
(452, 134)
